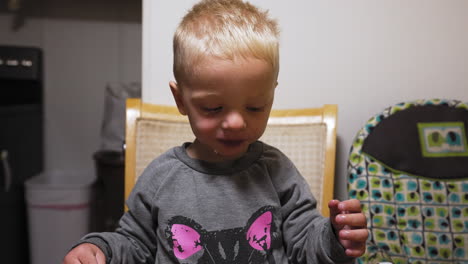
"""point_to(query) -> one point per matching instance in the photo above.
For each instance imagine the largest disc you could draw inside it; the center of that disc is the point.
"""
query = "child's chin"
(231, 155)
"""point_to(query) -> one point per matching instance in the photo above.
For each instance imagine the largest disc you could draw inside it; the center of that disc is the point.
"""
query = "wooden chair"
(306, 136)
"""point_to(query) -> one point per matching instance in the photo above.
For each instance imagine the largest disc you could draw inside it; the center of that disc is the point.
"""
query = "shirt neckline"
(220, 168)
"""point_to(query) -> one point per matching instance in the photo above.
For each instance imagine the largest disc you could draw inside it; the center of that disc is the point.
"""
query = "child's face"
(228, 104)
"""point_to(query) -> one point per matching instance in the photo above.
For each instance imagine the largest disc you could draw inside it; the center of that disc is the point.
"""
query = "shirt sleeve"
(307, 235)
(134, 241)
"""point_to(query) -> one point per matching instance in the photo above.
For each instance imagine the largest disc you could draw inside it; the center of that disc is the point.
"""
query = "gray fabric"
(221, 201)
(113, 121)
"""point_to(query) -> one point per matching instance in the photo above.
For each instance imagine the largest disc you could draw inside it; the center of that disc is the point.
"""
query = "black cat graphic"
(253, 243)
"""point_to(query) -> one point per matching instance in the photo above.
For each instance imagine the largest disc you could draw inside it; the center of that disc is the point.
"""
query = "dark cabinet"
(21, 143)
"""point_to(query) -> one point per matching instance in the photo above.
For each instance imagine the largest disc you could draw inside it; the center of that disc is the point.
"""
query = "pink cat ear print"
(186, 241)
(259, 235)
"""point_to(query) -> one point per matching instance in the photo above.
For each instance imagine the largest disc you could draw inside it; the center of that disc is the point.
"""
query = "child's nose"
(234, 120)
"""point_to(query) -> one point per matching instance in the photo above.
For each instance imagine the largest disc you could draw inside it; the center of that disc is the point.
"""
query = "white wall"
(363, 55)
(85, 44)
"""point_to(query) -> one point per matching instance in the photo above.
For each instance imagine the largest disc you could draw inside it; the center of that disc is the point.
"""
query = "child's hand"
(85, 253)
(350, 225)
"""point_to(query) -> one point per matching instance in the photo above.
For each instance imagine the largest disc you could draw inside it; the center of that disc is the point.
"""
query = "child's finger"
(355, 252)
(333, 206)
(352, 220)
(357, 235)
(351, 206)
(354, 249)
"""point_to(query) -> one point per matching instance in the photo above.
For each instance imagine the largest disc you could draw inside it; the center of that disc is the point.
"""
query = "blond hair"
(224, 29)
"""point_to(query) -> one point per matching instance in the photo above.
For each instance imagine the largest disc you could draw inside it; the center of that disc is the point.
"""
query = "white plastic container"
(58, 205)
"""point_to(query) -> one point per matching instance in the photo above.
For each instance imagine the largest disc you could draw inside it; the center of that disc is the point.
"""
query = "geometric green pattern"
(411, 219)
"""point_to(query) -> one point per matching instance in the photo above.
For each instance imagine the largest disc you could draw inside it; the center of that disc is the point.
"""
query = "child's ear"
(177, 97)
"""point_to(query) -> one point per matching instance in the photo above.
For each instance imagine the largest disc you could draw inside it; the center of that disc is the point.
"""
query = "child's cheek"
(207, 125)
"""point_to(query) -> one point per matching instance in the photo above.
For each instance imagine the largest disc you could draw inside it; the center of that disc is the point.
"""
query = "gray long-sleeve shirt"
(257, 209)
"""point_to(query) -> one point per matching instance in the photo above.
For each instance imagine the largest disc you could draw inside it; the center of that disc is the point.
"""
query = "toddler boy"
(226, 197)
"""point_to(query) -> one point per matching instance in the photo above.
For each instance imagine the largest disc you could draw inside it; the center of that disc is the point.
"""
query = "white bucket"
(58, 205)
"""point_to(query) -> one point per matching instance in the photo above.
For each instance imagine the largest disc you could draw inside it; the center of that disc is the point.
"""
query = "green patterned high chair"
(409, 168)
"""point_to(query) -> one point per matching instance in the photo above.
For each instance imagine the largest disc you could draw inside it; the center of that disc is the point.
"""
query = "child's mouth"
(232, 143)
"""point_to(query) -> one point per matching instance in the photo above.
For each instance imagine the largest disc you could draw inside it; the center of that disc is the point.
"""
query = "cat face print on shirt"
(253, 243)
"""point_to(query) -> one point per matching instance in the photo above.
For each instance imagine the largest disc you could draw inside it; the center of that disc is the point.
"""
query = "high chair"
(306, 136)
(408, 166)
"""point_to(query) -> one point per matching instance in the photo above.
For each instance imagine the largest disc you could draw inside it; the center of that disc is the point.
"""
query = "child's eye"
(212, 109)
(255, 109)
